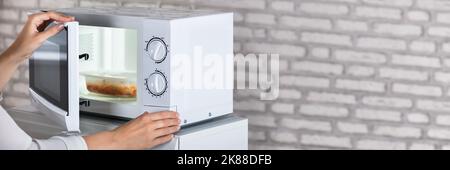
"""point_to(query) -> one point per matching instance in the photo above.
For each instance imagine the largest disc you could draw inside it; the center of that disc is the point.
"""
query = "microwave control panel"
(156, 50)
(156, 64)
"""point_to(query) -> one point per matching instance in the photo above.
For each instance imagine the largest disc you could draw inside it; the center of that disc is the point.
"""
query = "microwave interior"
(108, 64)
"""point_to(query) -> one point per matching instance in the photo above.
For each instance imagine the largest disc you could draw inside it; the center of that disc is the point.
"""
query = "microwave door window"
(49, 69)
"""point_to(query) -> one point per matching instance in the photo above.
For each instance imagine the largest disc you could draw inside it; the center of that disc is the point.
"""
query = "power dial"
(157, 49)
(156, 83)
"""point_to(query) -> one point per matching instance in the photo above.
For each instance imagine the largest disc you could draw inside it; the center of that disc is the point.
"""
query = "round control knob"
(157, 50)
(156, 83)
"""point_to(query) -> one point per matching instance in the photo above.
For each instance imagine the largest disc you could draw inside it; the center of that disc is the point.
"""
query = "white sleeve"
(12, 137)
(59, 143)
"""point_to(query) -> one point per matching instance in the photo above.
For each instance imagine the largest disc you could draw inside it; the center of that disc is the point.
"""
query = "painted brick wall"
(355, 74)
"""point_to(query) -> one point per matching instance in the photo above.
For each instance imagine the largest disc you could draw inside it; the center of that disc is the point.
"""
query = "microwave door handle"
(84, 56)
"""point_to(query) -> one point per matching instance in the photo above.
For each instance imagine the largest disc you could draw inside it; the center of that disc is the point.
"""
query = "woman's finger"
(163, 139)
(50, 32)
(163, 115)
(167, 131)
(43, 25)
(59, 17)
(165, 123)
(44, 16)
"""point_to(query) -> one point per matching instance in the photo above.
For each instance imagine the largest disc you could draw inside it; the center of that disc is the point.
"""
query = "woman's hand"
(146, 131)
(34, 34)
(30, 39)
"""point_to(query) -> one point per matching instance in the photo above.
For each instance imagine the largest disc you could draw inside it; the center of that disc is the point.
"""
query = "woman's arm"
(8, 66)
(30, 38)
(146, 131)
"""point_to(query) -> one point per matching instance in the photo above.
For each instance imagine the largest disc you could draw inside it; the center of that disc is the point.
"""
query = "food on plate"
(115, 85)
(120, 90)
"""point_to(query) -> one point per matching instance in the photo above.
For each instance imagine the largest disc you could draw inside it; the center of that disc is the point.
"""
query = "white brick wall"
(380, 144)
(421, 61)
(381, 43)
(347, 127)
(257, 18)
(283, 108)
(331, 97)
(387, 102)
(323, 110)
(325, 38)
(417, 16)
(283, 5)
(360, 85)
(439, 31)
(417, 118)
(348, 25)
(400, 74)
(417, 89)
(20, 3)
(422, 46)
(422, 146)
(355, 74)
(327, 141)
(324, 8)
(401, 132)
(360, 71)
(433, 4)
(297, 124)
(400, 3)
(372, 114)
(398, 29)
(363, 57)
(305, 23)
(316, 67)
(378, 12)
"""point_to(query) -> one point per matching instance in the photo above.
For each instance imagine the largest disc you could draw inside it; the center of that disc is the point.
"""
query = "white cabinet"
(223, 133)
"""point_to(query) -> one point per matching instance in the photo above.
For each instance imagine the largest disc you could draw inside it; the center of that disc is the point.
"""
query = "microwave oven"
(122, 62)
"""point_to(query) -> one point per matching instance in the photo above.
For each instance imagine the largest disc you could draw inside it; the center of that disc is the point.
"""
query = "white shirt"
(12, 137)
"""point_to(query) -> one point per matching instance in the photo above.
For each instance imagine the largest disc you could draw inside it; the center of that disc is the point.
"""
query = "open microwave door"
(54, 78)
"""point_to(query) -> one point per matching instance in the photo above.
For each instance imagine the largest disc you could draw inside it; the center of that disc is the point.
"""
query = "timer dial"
(156, 83)
(157, 49)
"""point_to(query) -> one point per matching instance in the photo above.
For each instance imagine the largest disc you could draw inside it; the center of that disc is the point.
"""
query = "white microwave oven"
(122, 62)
